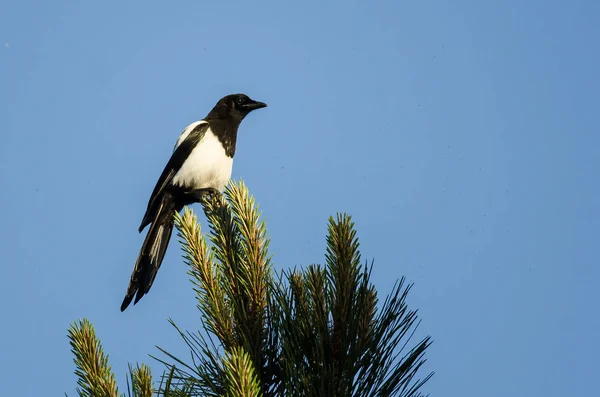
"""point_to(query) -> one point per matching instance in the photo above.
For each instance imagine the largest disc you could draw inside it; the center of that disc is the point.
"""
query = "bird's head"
(235, 106)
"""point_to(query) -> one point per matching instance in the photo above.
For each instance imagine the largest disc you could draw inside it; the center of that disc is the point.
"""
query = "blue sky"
(462, 136)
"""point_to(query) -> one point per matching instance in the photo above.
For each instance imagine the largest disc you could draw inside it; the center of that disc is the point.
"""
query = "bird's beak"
(255, 105)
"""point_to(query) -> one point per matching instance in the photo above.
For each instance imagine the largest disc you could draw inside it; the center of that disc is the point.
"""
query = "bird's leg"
(199, 194)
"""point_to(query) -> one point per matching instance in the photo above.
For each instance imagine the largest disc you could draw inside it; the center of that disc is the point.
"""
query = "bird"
(201, 164)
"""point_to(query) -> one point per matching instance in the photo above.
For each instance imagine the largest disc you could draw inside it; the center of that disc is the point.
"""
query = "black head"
(234, 107)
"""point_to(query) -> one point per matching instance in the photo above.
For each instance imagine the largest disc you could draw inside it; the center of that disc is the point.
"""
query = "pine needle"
(95, 377)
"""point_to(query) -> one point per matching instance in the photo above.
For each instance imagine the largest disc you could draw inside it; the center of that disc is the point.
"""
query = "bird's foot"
(198, 195)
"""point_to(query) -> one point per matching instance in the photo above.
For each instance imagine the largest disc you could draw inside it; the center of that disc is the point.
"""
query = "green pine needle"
(317, 331)
(241, 377)
(141, 381)
(95, 377)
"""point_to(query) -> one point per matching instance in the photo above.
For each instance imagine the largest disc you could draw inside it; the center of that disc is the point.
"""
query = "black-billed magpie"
(201, 163)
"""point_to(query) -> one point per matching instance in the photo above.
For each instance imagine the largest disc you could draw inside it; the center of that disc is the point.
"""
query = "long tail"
(152, 252)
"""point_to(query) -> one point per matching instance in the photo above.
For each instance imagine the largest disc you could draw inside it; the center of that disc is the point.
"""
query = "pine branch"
(224, 234)
(231, 279)
(171, 386)
(316, 332)
(241, 377)
(253, 239)
(95, 377)
(333, 340)
(320, 331)
(212, 300)
(141, 381)
(384, 372)
(204, 375)
(343, 269)
(254, 276)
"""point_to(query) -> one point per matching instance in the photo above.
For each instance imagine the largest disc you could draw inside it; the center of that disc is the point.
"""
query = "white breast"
(207, 166)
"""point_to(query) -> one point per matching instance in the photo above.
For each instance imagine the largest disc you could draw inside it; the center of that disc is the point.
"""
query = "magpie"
(201, 164)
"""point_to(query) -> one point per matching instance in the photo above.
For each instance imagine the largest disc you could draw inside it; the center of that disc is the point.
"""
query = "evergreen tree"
(318, 331)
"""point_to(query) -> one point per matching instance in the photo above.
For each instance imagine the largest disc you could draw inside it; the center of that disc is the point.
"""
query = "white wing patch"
(186, 132)
(154, 250)
(207, 165)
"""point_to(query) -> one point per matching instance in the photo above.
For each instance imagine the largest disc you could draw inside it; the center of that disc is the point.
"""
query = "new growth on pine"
(317, 331)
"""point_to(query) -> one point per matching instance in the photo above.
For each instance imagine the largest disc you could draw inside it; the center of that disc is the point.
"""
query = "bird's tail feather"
(152, 253)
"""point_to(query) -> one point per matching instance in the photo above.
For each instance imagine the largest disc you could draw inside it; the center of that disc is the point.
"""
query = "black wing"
(177, 159)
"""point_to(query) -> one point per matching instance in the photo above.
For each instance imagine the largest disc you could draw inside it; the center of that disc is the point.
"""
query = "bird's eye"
(239, 101)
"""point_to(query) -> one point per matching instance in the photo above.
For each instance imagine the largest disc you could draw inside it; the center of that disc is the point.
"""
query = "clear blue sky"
(463, 137)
